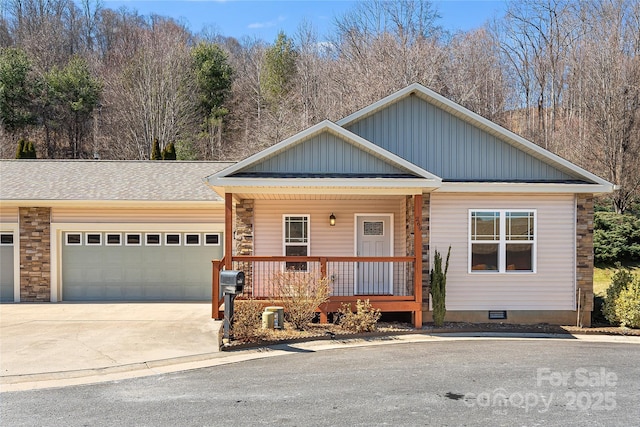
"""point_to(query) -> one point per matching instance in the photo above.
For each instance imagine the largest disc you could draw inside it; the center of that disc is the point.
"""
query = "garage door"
(100, 266)
(6, 267)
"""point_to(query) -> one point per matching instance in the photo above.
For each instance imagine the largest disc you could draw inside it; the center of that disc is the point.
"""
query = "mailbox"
(231, 282)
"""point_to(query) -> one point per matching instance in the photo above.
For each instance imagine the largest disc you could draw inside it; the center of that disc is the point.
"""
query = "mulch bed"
(331, 331)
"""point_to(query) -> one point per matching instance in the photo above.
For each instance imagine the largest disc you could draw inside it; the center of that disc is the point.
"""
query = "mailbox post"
(231, 284)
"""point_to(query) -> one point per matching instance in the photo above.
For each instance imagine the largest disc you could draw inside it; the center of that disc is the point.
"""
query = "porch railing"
(391, 282)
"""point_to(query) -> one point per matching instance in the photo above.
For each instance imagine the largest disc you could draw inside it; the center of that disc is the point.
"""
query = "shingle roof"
(94, 180)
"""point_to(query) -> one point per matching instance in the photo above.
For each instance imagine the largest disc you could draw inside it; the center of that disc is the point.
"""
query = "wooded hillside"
(80, 80)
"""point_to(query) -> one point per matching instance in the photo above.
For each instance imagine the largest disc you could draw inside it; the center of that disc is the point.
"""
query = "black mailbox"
(231, 281)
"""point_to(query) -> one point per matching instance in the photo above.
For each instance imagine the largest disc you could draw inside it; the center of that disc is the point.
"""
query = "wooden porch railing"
(389, 283)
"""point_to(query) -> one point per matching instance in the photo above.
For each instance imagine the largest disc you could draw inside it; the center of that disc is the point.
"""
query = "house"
(367, 201)
(364, 202)
(108, 230)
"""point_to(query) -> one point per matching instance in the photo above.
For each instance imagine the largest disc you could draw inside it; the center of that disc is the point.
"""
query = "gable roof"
(106, 180)
(533, 164)
(324, 155)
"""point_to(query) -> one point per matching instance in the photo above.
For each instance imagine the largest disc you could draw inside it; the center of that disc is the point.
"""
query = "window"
(73, 239)
(212, 239)
(133, 239)
(152, 239)
(296, 240)
(6, 239)
(113, 239)
(192, 239)
(172, 239)
(502, 241)
(93, 239)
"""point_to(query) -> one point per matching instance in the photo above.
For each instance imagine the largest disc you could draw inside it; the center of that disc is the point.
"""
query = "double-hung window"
(296, 240)
(502, 241)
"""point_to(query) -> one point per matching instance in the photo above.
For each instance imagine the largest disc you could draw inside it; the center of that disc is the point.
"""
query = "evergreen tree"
(156, 154)
(20, 148)
(169, 152)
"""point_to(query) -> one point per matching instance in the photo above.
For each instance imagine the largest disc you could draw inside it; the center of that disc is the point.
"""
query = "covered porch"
(391, 283)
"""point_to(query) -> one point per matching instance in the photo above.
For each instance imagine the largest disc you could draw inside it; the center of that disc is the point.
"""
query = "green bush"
(438, 287)
(628, 305)
(169, 152)
(156, 154)
(364, 319)
(616, 237)
(619, 282)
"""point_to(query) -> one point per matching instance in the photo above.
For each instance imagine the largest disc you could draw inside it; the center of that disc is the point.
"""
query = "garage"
(138, 266)
(6, 267)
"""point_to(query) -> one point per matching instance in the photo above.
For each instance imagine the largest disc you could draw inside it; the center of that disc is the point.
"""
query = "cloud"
(267, 24)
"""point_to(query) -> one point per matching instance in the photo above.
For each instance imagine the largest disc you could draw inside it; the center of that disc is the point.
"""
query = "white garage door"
(6, 267)
(131, 266)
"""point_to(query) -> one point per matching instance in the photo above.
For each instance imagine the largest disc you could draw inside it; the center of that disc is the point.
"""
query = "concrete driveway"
(60, 337)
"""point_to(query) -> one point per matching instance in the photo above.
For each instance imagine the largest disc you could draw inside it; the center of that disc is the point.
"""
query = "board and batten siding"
(325, 240)
(447, 146)
(552, 287)
(149, 215)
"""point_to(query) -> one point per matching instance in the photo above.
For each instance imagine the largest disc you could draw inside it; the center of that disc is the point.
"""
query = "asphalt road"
(448, 383)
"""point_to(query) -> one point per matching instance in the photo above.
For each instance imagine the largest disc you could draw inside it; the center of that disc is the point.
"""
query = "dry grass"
(602, 278)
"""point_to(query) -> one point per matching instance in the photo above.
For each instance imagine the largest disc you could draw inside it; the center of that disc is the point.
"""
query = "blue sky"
(264, 19)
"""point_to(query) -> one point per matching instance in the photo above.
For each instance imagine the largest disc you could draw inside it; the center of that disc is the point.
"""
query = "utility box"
(267, 319)
(278, 316)
(231, 282)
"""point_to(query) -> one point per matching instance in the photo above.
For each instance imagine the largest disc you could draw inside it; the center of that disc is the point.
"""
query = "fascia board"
(507, 187)
(377, 191)
(516, 139)
(326, 182)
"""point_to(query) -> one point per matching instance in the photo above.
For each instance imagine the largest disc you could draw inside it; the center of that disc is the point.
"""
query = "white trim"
(146, 239)
(503, 242)
(392, 251)
(66, 239)
(57, 229)
(284, 235)
(204, 241)
(86, 238)
(511, 187)
(14, 228)
(186, 241)
(260, 188)
(166, 239)
(126, 239)
(106, 239)
(479, 121)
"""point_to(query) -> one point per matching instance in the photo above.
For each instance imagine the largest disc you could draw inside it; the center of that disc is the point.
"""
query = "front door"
(373, 239)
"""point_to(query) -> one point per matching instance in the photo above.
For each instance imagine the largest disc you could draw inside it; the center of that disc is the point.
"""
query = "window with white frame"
(212, 239)
(502, 241)
(6, 239)
(172, 239)
(133, 239)
(152, 239)
(73, 239)
(192, 239)
(93, 239)
(296, 240)
(113, 239)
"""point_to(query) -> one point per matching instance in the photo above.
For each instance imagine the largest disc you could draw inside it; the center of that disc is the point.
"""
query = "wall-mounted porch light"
(332, 220)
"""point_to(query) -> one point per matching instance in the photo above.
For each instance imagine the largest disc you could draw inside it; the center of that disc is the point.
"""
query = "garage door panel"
(137, 273)
(6, 273)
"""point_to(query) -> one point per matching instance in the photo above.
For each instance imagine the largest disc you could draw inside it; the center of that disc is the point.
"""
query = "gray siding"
(449, 147)
(325, 153)
(6, 273)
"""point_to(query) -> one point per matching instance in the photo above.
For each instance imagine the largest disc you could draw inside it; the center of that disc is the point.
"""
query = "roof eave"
(512, 187)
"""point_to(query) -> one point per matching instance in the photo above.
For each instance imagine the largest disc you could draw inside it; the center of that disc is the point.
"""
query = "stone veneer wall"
(244, 227)
(426, 203)
(35, 254)
(584, 255)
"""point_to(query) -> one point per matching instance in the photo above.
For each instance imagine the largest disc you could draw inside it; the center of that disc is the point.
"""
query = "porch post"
(417, 248)
(228, 231)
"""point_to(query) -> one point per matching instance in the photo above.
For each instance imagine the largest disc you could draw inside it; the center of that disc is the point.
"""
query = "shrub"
(156, 154)
(300, 294)
(628, 305)
(247, 320)
(169, 152)
(364, 319)
(620, 281)
(616, 237)
(438, 287)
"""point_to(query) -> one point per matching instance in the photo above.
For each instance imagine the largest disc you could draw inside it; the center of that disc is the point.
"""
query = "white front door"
(374, 239)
